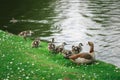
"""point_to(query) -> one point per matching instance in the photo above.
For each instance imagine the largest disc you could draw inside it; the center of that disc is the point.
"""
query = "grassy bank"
(18, 61)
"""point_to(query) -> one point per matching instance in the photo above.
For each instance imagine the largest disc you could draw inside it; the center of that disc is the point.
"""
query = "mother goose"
(85, 57)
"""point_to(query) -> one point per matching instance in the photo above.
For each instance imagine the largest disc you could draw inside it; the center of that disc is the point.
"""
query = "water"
(72, 21)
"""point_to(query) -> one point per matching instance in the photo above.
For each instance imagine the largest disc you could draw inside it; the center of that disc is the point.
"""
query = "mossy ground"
(18, 61)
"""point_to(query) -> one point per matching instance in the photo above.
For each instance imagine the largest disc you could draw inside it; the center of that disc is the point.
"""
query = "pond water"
(71, 21)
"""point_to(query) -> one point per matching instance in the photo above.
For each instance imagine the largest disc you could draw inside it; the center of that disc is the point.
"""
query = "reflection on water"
(74, 21)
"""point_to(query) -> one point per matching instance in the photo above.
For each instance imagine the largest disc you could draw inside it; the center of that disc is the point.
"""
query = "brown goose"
(85, 57)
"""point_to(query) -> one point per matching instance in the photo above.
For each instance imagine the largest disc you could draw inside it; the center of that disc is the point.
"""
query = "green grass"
(18, 61)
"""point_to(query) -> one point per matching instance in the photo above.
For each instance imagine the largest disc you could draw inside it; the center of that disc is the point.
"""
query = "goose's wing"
(81, 55)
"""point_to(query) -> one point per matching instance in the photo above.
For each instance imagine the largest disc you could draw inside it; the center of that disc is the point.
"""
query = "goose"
(51, 46)
(35, 43)
(25, 34)
(77, 49)
(84, 57)
(60, 48)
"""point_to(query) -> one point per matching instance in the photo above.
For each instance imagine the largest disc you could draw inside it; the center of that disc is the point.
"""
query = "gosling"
(36, 43)
(51, 46)
(26, 34)
(60, 48)
(77, 49)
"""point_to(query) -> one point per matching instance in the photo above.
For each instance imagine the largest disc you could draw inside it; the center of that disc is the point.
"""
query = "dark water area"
(72, 21)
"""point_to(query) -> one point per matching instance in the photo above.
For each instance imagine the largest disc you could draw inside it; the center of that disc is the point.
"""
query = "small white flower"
(11, 62)
(5, 79)
(33, 64)
(53, 74)
(28, 62)
(27, 77)
(18, 68)
(72, 67)
(22, 69)
(11, 75)
(83, 76)
(3, 55)
(19, 77)
(8, 77)
(117, 71)
(10, 68)
(13, 59)
(116, 68)
(23, 74)
(8, 74)
(20, 63)
(101, 71)
(43, 78)
(32, 72)
(51, 68)
(89, 76)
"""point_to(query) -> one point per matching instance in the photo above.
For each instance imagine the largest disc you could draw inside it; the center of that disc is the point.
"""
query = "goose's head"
(38, 39)
(80, 44)
(31, 32)
(90, 43)
(64, 43)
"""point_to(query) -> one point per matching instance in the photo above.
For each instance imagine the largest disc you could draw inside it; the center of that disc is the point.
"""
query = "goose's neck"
(52, 40)
(91, 48)
(62, 45)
